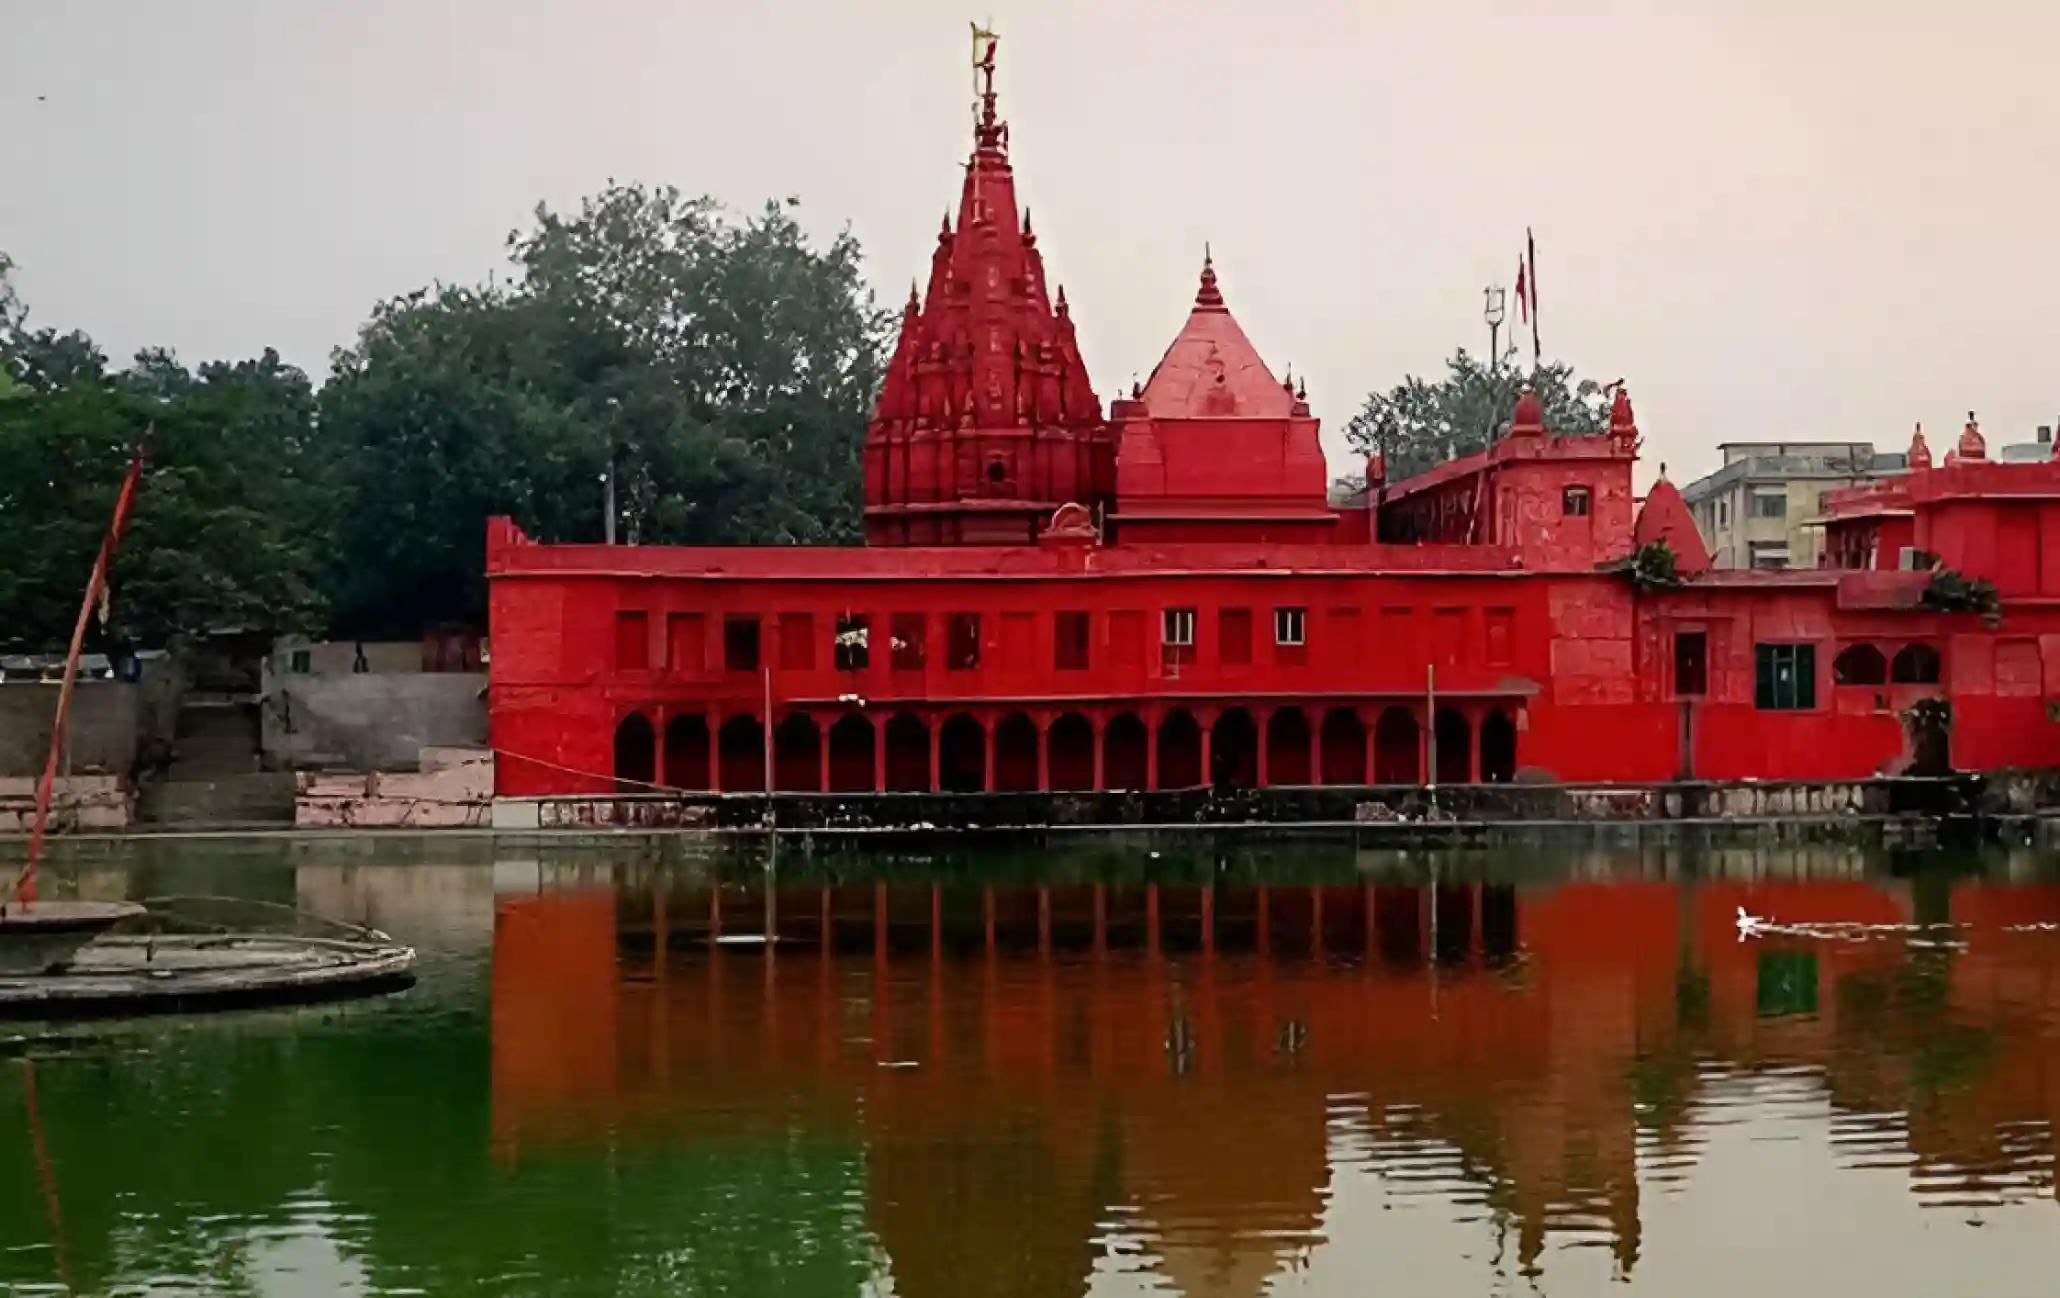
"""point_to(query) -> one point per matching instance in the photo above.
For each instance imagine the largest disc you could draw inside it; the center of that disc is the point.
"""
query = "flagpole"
(1537, 347)
(24, 886)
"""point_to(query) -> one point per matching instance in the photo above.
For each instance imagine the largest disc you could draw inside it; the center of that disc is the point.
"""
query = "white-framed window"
(1179, 627)
(1290, 626)
(1573, 502)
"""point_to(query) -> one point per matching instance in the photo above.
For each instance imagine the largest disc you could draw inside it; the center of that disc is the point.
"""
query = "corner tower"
(986, 422)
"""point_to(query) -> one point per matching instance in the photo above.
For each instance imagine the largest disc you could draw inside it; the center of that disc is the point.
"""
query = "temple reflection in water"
(1182, 1078)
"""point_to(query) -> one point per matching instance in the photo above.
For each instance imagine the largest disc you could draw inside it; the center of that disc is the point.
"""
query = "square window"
(908, 632)
(632, 640)
(1069, 641)
(1768, 555)
(1290, 626)
(1691, 663)
(1234, 635)
(962, 642)
(1785, 677)
(299, 662)
(1770, 504)
(1573, 502)
(852, 648)
(740, 642)
(1179, 627)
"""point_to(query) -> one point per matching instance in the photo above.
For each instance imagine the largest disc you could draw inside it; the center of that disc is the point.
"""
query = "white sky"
(1802, 219)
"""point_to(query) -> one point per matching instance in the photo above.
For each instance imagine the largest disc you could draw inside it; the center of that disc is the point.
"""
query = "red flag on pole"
(1531, 256)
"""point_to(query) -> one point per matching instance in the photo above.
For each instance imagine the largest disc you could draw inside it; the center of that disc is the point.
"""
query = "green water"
(1217, 1070)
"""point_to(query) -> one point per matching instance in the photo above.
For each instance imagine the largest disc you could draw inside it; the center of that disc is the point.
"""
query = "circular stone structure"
(37, 935)
(165, 973)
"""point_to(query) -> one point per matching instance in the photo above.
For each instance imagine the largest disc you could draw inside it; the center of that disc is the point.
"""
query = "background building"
(1763, 508)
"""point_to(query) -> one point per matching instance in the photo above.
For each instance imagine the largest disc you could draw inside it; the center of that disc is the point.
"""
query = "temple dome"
(1211, 370)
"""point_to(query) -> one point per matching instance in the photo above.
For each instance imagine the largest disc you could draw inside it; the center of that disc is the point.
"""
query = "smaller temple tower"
(986, 422)
(1214, 447)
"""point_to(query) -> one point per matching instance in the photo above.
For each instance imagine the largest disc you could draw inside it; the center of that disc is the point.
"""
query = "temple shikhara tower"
(1162, 595)
(986, 421)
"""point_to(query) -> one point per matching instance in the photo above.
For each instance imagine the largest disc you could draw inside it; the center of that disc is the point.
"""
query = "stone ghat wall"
(1403, 812)
(78, 804)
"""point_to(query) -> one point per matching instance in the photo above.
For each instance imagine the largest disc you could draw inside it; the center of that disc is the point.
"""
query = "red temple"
(1163, 597)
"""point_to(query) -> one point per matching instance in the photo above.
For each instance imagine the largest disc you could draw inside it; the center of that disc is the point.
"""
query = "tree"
(228, 525)
(720, 367)
(1418, 424)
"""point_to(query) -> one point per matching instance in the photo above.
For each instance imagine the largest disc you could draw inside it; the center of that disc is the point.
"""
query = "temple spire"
(990, 133)
(1208, 297)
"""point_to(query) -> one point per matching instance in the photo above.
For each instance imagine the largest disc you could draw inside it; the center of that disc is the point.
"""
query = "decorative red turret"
(1972, 446)
(986, 421)
(1920, 451)
(1529, 419)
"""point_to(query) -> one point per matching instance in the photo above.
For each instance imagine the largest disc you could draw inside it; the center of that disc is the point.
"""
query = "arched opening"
(1397, 748)
(1071, 744)
(1859, 664)
(851, 755)
(1126, 753)
(1180, 751)
(1498, 748)
(1015, 753)
(1915, 663)
(1455, 748)
(1234, 750)
(636, 754)
(742, 753)
(798, 755)
(1344, 747)
(1287, 748)
(961, 755)
(908, 754)
(686, 751)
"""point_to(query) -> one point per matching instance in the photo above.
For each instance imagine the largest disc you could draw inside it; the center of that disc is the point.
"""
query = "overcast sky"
(1785, 219)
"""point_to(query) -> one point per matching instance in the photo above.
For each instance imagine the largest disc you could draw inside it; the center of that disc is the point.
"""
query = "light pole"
(1494, 311)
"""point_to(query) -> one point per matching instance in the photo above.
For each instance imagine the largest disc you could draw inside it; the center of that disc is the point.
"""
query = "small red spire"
(1529, 419)
(1621, 418)
(1208, 297)
(944, 228)
(1059, 307)
(914, 303)
(1972, 447)
(1920, 451)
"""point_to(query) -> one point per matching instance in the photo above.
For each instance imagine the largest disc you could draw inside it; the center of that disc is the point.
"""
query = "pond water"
(1211, 1069)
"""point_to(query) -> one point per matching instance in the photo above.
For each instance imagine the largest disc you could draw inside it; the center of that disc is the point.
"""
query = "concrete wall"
(370, 722)
(108, 725)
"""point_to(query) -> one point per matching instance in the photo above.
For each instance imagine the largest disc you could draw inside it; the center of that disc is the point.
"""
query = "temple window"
(686, 643)
(740, 642)
(797, 642)
(1573, 502)
(1691, 663)
(908, 632)
(1915, 664)
(1069, 641)
(1500, 626)
(962, 642)
(1179, 627)
(1290, 626)
(1785, 677)
(852, 651)
(632, 640)
(1234, 635)
(1859, 664)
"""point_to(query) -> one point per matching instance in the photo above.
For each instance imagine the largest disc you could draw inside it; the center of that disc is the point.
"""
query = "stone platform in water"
(164, 973)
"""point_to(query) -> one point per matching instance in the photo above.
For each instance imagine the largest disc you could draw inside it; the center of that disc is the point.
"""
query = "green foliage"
(1951, 592)
(1419, 424)
(725, 366)
(1653, 567)
(228, 524)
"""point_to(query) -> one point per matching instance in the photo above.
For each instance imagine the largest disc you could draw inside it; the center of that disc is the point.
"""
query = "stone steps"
(254, 798)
